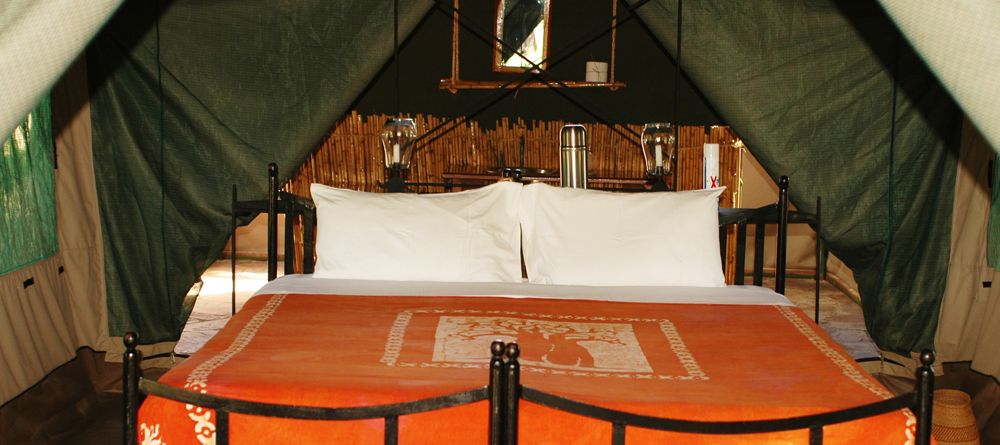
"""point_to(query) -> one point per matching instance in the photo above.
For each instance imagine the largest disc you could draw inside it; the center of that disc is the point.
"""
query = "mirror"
(521, 24)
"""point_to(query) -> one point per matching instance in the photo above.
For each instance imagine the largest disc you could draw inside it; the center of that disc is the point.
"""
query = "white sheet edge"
(741, 295)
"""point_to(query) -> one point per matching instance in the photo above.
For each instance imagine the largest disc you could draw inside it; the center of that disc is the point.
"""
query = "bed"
(355, 354)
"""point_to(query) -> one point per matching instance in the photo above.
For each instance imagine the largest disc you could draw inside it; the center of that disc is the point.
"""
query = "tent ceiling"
(960, 41)
(33, 54)
(178, 92)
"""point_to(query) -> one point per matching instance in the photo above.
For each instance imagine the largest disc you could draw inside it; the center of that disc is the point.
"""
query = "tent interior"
(143, 117)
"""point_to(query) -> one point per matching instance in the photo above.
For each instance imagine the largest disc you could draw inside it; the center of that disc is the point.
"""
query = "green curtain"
(831, 95)
(189, 98)
(27, 192)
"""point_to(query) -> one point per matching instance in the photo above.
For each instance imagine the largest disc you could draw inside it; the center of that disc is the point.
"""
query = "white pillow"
(464, 236)
(589, 237)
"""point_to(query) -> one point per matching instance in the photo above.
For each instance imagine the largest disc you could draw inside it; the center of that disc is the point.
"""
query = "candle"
(395, 154)
(659, 156)
(711, 166)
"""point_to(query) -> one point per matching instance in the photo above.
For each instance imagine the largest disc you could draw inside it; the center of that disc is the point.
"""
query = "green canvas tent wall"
(187, 98)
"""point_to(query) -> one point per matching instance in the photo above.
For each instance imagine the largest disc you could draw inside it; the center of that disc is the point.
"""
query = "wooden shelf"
(454, 85)
(595, 182)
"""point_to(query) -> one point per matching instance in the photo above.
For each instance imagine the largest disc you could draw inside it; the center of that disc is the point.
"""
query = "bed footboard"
(504, 393)
(135, 387)
(919, 401)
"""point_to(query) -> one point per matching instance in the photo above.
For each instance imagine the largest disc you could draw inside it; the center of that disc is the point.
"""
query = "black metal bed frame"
(504, 390)
(781, 216)
(278, 202)
(504, 393)
(293, 206)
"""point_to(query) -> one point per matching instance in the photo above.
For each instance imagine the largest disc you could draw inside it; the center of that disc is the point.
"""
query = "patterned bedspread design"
(709, 362)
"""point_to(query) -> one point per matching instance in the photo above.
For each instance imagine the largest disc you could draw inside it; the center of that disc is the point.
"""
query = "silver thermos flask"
(573, 160)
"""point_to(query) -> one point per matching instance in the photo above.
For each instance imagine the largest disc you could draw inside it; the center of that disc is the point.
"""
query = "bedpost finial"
(925, 397)
(927, 357)
(783, 182)
(272, 169)
(513, 351)
(131, 340)
(497, 348)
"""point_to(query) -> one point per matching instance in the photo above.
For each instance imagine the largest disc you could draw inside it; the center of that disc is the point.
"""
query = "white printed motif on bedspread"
(577, 345)
(197, 379)
(150, 435)
(607, 347)
(847, 367)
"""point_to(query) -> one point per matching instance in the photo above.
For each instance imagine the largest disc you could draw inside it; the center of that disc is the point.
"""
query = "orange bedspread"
(710, 362)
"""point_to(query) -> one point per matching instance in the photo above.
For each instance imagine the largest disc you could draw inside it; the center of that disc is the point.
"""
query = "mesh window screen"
(27, 192)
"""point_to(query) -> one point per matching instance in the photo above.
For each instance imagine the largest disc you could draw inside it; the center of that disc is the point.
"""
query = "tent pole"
(395, 49)
(677, 92)
(232, 247)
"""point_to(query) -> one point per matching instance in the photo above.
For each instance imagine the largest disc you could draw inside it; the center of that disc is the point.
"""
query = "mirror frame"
(498, 33)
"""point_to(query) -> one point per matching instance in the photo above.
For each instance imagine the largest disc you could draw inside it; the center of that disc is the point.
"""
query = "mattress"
(747, 295)
(746, 354)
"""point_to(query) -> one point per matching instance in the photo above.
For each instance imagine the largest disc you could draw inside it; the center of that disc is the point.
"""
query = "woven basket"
(954, 423)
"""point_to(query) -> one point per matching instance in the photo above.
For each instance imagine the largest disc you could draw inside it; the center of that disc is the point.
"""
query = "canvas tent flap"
(970, 313)
(959, 42)
(830, 95)
(993, 251)
(194, 98)
(33, 56)
(43, 325)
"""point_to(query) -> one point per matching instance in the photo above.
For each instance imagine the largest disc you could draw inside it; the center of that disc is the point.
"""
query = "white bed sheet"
(197, 333)
(748, 295)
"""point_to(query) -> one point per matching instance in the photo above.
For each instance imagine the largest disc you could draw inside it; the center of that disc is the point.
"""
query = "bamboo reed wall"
(351, 156)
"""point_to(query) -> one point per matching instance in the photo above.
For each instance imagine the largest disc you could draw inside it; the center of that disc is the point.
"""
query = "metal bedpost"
(496, 393)
(819, 255)
(272, 221)
(391, 436)
(221, 426)
(779, 270)
(816, 435)
(291, 214)
(741, 252)
(130, 388)
(758, 253)
(722, 245)
(232, 248)
(925, 396)
(513, 394)
(308, 240)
